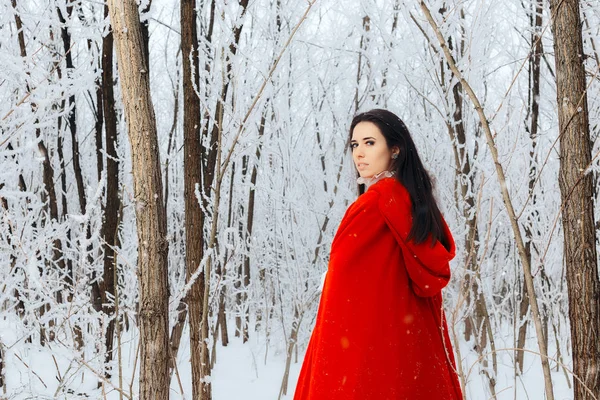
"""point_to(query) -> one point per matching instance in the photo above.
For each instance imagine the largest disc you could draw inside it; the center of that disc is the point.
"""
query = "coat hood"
(427, 266)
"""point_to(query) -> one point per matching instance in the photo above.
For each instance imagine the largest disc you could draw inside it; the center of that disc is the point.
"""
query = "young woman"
(380, 332)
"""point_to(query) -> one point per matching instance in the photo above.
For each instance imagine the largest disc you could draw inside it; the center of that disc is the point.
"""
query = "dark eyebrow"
(367, 138)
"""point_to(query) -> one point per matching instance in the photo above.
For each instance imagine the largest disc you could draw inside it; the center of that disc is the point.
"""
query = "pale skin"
(370, 152)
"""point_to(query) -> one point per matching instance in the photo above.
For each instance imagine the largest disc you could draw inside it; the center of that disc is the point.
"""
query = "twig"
(26, 96)
(101, 377)
(264, 85)
(178, 377)
(137, 354)
(513, 349)
(29, 368)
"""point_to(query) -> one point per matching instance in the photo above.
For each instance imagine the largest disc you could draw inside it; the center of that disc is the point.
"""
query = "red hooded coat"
(380, 331)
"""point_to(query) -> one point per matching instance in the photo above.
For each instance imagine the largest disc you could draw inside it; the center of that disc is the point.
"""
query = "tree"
(194, 219)
(577, 195)
(533, 111)
(110, 223)
(149, 206)
(508, 203)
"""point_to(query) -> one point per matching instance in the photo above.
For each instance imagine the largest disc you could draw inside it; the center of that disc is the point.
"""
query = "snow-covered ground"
(241, 372)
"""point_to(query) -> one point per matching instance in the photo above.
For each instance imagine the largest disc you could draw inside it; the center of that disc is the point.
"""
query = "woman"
(380, 331)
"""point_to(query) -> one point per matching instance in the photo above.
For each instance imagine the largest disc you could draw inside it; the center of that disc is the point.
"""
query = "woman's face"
(370, 151)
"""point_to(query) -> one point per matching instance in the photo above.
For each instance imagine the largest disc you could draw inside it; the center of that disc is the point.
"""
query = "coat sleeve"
(428, 267)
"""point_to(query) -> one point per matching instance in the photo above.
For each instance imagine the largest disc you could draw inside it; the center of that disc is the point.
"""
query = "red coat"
(380, 332)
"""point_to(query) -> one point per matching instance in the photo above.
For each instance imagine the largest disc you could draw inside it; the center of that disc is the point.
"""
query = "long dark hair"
(410, 172)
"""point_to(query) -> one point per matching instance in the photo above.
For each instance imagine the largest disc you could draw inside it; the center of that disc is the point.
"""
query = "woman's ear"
(395, 152)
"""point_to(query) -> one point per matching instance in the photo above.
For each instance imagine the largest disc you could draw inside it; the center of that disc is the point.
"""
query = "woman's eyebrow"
(366, 138)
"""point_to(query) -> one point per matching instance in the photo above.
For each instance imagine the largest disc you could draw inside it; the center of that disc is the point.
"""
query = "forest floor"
(241, 372)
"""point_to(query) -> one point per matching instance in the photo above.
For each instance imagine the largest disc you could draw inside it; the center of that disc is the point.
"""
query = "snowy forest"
(173, 173)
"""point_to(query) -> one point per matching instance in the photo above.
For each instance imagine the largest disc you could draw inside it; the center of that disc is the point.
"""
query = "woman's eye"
(370, 143)
(353, 146)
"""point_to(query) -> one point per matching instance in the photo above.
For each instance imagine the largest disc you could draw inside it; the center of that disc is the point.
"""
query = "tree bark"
(145, 28)
(194, 220)
(237, 285)
(2, 375)
(533, 113)
(113, 202)
(222, 270)
(576, 187)
(14, 267)
(364, 44)
(250, 223)
(72, 117)
(149, 205)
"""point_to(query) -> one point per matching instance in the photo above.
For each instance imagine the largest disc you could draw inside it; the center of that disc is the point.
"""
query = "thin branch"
(506, 197)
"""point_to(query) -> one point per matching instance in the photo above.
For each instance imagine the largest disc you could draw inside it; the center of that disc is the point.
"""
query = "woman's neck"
(375, 178)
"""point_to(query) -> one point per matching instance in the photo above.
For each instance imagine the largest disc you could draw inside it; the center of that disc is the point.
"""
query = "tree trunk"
(99, 125)
(182, 308)
(478, 324)
(110, 226)
(20, 305)
(210, 153)
(576, 189)
(72, 117)
(2, 375)
(145, 29)
(149, 205)
(250, 220)
(240, 286)
(192, 154)
(364, 44)
(222, 271)
(71, 121)
(533, 114)
(291, 344)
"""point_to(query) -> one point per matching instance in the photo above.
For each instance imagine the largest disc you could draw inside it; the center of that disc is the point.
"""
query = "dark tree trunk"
(145, 28)
(222, 271)
(210, 153)
(72, 117)
(2, 374)
(110, 223)
(194, 239)
(20, 306)
(533, 114)
(576, 187)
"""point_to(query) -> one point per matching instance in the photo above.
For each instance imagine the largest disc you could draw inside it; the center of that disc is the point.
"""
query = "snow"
(241, 371)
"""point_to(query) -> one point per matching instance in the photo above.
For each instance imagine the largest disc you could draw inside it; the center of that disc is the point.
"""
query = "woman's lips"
(361, 166)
